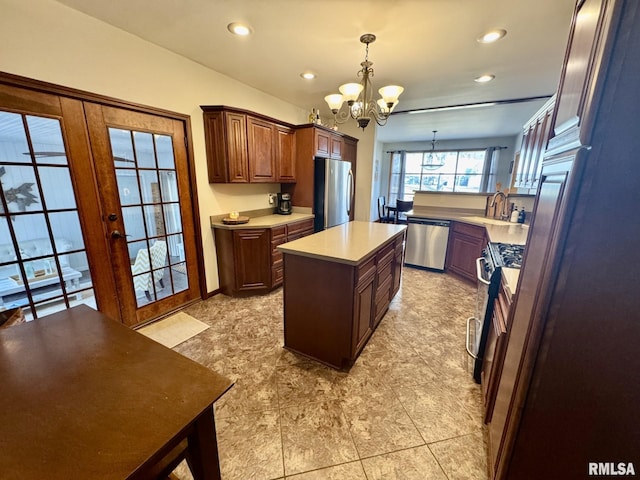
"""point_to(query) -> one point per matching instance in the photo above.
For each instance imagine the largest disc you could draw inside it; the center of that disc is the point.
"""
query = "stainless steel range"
(488, 271)
(506, 254)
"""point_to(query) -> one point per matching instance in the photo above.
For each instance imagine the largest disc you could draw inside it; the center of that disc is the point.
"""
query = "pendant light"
(433, 160)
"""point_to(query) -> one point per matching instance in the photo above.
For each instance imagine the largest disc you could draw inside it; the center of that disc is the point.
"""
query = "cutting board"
(235, 221)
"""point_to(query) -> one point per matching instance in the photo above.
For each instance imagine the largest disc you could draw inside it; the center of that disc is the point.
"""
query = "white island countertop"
(348, 243)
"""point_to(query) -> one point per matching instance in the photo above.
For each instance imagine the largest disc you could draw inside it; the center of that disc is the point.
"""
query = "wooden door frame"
(84, 96)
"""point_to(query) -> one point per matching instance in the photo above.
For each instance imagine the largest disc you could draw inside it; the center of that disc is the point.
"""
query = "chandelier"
(359, 96)
(433, 160)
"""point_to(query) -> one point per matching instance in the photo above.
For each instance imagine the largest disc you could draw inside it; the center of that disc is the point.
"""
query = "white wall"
(47, 41)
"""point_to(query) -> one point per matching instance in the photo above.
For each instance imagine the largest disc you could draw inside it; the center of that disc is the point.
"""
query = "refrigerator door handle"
(350, 192)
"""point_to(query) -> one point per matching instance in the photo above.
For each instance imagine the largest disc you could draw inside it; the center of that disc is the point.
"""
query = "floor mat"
(174, 330)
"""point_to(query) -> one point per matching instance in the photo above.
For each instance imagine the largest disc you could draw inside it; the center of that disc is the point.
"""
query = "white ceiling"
(427, 46)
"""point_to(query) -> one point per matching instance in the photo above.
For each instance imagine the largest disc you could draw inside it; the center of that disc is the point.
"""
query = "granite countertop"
(349, 243)
(497, 231)
(263, 221)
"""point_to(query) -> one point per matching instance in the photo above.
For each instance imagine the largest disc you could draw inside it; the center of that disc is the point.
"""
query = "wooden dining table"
(85, 397)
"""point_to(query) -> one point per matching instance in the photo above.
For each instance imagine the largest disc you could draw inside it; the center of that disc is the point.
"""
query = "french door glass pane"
(149, 195)
(164, 151)
(46, 139)
(42, 252)
(13, 139)
(144, 150)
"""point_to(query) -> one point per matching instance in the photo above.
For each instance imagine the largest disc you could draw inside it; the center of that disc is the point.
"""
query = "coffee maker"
(284, 204)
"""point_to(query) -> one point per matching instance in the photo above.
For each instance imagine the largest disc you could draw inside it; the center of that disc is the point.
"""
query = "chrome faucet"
(505, 204)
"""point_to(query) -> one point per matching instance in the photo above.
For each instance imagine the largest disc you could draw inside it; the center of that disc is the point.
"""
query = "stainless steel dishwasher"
(427, 243)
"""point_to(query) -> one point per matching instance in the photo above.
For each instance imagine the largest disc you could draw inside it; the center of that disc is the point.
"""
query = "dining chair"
(402, 206)
(383, 214)
(144, 280)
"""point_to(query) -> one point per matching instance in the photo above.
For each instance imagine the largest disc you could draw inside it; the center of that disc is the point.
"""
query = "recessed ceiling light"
(484, 78)
(492, 36)
(238, 28)
(308, 75)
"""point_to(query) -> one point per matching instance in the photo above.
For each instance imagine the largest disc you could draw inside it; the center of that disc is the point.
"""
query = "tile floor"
(407, 409)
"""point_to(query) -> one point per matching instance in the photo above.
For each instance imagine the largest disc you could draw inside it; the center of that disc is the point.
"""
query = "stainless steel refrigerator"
(333, 192)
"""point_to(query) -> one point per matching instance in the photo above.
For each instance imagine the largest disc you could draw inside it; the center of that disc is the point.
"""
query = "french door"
(95, 208)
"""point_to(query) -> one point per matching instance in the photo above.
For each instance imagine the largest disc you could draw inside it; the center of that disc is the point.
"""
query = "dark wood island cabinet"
(338, 284)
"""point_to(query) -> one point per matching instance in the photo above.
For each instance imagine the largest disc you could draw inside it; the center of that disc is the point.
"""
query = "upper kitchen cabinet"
(328, 144)
(226, 143)
(535, 135)
(317, 141)
(286, 154)
(583, 60)
(245, 147)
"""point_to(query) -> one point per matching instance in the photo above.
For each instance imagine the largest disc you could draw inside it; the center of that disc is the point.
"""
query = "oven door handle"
(479, 271)
(467, 343)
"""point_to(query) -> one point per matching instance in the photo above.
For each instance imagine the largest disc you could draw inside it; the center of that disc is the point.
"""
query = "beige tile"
(463, 457)
(379, 423)
(251, 393)
(250, 447)
(305, 382)
(414, 363)
(315, 435)
(441, 411)
(346, 471)
(396, 366)
(411, 464)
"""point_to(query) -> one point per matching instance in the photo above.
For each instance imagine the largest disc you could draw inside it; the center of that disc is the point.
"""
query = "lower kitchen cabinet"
(398, 261)
(248, 259)
(244, 260)
(384, 280)
(465, 246)
(284, 234)
(494, 350)
(364, 301)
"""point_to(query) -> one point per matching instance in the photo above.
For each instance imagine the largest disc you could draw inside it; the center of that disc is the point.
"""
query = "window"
(439, 171)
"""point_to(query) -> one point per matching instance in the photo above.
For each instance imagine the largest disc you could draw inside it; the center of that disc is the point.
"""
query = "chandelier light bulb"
(390, 93)
(334, 101)
(384, 107)
(351, 91)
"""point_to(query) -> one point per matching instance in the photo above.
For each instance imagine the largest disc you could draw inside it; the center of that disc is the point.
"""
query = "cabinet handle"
(471, 354)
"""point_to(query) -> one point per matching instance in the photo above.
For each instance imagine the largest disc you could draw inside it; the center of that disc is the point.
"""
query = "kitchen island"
(338, 284)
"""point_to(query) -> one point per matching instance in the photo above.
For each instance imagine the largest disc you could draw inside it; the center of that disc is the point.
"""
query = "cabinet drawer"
(385, 254)
(399, 240)
(278, 232)
(277, 274)
(472, 230)
(382, 299)
(384, 273)
(366, 269)
(300, 227)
